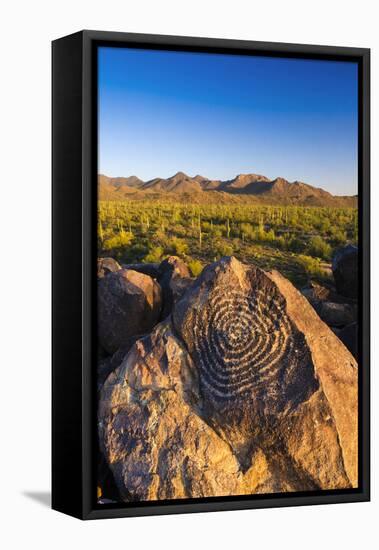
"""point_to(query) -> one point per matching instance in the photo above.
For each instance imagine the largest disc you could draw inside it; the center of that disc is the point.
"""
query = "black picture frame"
(74, 205)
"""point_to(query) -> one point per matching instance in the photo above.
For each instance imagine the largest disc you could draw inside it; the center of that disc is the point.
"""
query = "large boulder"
(129, 303)
(106, 266)
(345, 271)
(245, 390)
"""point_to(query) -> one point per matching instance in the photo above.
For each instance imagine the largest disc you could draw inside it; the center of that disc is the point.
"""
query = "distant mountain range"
(241, 189)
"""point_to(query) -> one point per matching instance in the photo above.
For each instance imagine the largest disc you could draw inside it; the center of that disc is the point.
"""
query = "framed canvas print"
(210, 274)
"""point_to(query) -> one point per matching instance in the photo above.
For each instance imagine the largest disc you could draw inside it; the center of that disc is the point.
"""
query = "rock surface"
(173, 266)
(345, 271)
(106, 265)
(108, 364)
(336, 314)
(174, 278)
(244, 391)
(129, 303)
(316, 293)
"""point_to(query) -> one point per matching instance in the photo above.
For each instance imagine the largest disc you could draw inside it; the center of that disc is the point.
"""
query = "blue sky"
(217, 115)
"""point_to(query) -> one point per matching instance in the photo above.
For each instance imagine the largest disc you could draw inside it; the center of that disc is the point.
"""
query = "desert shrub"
(281, 242)
(224, 249)
(269, 236)
(295, 245)
(155, 255)
(319, 248)
(195, 267)
(247, 231)
(338, 237)
(216, 232)
(117, 241)
(134, 253)
(311, 265)
(181, 231)
(206, 226)
(178, 246)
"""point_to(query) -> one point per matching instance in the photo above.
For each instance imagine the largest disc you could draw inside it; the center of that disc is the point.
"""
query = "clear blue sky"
(162, 112)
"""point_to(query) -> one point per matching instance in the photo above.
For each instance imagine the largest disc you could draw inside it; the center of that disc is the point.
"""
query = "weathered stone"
(106, 265)
(335, 310)
(172, 292)
(174, 278)
(337, 315)
(129, 303)
(349, 336)
(245, 391)
(345, 271)
(108, 364)
(174, 266)
(316, 293)
(156, 445)
(337, 373)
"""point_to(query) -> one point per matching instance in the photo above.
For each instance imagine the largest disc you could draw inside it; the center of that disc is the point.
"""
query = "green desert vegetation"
(297, 241)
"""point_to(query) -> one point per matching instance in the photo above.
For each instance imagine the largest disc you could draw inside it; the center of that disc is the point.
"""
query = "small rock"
(106, 266)
(174, 266)
(337, 315)
(315, 293)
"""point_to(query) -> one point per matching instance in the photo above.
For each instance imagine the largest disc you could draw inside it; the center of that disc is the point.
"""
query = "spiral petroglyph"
(243, 342)
(240, 342)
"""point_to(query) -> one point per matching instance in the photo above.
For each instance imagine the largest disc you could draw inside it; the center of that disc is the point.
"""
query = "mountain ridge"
(251, 187)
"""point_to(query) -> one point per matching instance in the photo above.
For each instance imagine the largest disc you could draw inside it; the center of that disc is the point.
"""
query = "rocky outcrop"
(340, 312)
(345, 271)
(129, 303)
(245, 390)
(106, 265)
(174, 278)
